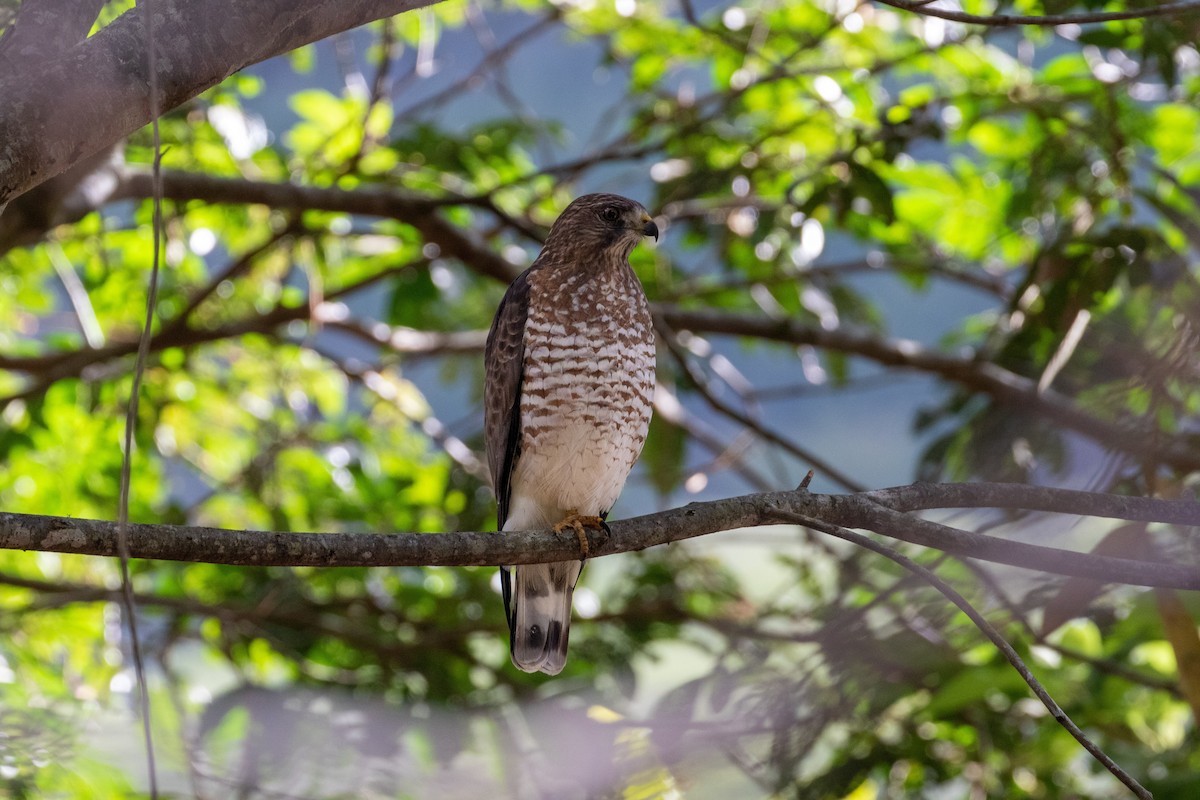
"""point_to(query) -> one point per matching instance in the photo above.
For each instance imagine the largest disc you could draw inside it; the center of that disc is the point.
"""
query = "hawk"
(567, 401)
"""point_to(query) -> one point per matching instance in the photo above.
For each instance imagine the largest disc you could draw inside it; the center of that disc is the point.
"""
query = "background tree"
(903, 241)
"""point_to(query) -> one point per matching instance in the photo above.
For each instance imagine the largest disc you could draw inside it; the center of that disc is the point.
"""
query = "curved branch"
(988, 630)
(177, 332)
(368, 201)
(45, 27)
(668, 338)
(99, 90)
(216, 546)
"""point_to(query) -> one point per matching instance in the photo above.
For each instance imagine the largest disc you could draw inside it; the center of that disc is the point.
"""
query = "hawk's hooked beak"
(649, 228)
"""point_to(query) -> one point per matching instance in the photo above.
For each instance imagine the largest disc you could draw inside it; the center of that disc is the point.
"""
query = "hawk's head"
(605, 223)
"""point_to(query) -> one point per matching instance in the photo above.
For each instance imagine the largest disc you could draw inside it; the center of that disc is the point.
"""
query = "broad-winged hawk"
(567, 402)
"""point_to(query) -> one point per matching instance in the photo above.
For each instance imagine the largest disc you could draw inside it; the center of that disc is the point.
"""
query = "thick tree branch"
(211, 545)
(60, 111)
(923, 496)
(43, 28)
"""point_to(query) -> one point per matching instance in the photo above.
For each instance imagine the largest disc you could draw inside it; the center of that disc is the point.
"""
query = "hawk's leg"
(580, 523)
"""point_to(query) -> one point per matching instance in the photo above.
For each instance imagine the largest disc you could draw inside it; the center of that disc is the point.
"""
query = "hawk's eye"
(610, 214)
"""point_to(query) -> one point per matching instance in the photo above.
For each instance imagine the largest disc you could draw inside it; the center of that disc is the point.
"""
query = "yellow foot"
(579, 524)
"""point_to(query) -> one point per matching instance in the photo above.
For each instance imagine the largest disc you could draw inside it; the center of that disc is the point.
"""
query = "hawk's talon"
(579, 523)
(604, 532)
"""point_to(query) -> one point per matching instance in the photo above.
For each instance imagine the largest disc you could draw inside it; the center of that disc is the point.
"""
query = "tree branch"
(997, 382)
(988, 630)
(923, 8)
(217, 546)
(176, 332)
(668, 337)
(924, 496)
(372, 202)
(60, 111)
(43, 28)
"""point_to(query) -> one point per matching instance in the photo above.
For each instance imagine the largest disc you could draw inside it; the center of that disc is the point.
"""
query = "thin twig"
(85, 314)
(985, 627)
(128, 601)
(668, 410)
(1007, 20)
(490, 61)
(668, 336)
(1108, 666)
(232, 270)
(370, 377)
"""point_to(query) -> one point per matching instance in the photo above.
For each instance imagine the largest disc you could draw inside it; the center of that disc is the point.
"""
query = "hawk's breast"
(586, 392)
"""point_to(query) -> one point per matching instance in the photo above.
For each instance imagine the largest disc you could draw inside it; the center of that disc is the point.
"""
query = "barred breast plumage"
(585, 403)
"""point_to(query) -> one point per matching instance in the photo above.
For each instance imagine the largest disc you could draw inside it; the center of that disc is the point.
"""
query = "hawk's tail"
(538, 602)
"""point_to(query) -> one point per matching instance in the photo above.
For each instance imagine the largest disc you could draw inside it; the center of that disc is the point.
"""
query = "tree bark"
(874, 511)
(43, 28)
(58, 112)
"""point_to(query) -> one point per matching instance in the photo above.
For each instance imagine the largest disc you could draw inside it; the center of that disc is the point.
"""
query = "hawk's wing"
(504, 359)
(504, 367)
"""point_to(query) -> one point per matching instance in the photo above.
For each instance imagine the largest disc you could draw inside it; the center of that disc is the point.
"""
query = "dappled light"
(950, 249)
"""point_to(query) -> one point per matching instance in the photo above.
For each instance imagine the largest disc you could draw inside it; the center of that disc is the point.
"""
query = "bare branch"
(923, 496)
(260, 548)
(232, 270)
(385, 203)
(411, 341)
(493, 59)
(668, 410)
(54, 366)
(923, 8)
(977, 375)
(706, 286)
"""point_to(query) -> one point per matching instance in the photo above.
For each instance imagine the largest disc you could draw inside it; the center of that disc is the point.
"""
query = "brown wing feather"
(504, 366)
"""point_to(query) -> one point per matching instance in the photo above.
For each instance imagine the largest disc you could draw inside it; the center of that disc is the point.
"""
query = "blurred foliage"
(794, 147)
